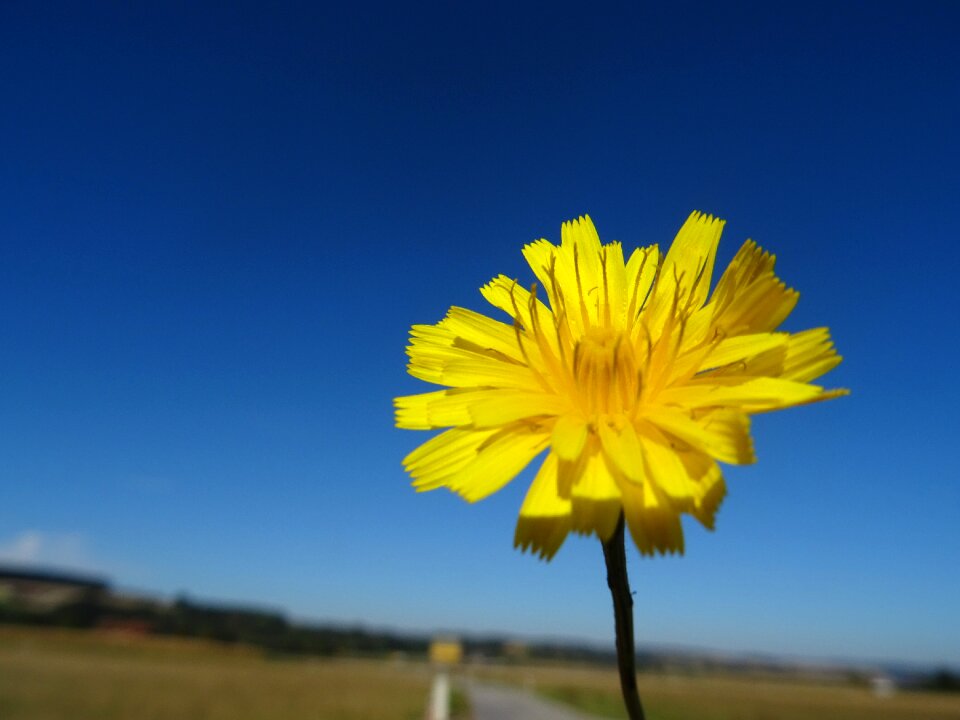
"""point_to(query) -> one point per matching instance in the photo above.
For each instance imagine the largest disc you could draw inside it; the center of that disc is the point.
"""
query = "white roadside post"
(439, 708)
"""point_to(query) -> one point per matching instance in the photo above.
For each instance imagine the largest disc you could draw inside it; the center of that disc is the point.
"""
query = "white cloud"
(44, 549)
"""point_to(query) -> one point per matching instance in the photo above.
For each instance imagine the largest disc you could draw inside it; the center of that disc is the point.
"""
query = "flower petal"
(760, 307)
(474, 463)
(514, 299)
(480, 371)
(665, 471)
(442, 456)
(740, 347)
(623, 448)
(434, 349)
(751, 395)
(750, 263)
(749, 297)
(596, 499)
(479, 407)
(544, 516)
(483, 332)
(810, 354)
(709, 484)
(500, 407)
(498, 461)
(641, 271)
(722, 434)
(653, 523)
(426, 411)
(579, 240)
(684, 279)
(613, 297)
(569, 437)
(541, 257)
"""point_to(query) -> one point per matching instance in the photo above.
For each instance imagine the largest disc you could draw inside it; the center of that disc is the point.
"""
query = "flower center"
(604, 373)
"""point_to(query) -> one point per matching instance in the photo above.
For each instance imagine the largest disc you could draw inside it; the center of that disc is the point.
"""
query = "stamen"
(545, 350)
(603, 374)
(583, 305)
(523, 350)
(632, 309)
(606, 288)
(653, 282)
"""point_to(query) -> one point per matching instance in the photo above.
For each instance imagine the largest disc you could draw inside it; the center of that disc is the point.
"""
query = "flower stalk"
(614, 555)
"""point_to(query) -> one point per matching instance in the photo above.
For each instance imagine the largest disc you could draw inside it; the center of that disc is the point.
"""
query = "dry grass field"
(669, 697)
(63, 675)
(60, 675)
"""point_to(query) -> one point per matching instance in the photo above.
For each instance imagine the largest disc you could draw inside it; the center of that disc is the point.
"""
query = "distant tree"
(943, 681)
(84, 612)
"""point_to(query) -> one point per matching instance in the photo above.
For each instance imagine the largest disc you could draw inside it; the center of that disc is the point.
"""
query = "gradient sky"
(219, 222)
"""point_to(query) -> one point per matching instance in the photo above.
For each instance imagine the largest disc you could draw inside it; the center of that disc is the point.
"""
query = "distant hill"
(40, 596)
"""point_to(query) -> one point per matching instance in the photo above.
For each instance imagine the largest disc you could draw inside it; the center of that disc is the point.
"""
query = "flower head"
(634, 377)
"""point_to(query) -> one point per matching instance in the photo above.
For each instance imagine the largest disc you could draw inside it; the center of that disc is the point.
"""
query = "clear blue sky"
(218, 224)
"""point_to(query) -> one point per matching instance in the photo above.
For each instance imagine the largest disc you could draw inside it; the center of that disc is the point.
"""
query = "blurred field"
(63, 675)
(669, 697)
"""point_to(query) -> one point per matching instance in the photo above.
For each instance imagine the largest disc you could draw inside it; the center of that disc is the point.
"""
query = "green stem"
(616, 559)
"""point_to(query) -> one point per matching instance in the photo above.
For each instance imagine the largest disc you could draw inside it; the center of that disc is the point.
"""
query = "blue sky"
(218, 224)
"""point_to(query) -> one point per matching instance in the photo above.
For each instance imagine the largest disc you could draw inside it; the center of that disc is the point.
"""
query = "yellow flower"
(634, 380)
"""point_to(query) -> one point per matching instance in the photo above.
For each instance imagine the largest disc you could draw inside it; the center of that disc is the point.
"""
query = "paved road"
(495, 702)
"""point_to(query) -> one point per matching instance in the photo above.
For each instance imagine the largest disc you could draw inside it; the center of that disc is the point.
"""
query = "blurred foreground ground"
(77, 675)
(708, 697)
